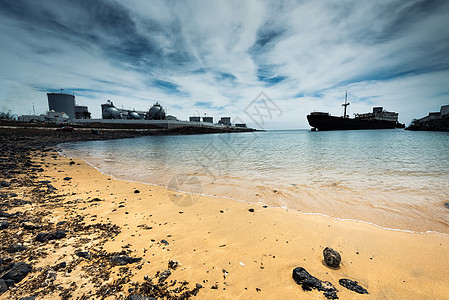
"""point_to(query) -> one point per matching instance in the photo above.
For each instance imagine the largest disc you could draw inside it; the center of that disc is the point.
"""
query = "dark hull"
(326, 122)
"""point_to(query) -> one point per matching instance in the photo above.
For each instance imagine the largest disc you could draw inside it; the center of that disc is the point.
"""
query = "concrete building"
(225, 121)
(208, 119)
(195, 119)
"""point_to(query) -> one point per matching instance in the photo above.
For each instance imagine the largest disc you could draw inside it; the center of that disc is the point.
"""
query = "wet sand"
(220, 245)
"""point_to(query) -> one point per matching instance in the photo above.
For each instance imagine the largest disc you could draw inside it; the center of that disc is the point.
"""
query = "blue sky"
(216, 57)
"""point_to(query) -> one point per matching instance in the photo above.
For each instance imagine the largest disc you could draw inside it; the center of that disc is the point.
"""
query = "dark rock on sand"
(446, 205)
(51, 188)
(3, 286)
(122, 260)
(71, 163)
(5, 183)
(352, 285)
(4, 225)
(164, 242)
(30, 226)
(67, 178)
(28, 298)
(83, 254)
(12, 195)
(139, 297)
(47, 236)
(4, 214)
(164, 275)
(18, 272)
(15, 248)
(173, 264)
(61, 223)
(136, 191)
(309, 282)
(20, 202)
(331, 257)
(251, 210)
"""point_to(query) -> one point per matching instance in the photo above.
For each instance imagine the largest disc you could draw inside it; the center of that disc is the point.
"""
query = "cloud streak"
(216, 57)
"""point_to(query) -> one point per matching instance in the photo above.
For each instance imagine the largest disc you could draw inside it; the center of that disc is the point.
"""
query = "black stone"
(4, 225)
(46, 236)
(139, 297)
(71, 163)
(5, 183)
(164, 275)
(4, 214)
(18, 272)
(309, 282)
(12, 195)
(164, 242)
(122, 260)
(331, 257)
(83, 254)
(61, 223)
(136, 191)
(67, 178)
(173, 264)
(28, 298)
(30, 226)
(446, 205)
(51, 188)
(352, 285)
(15, 248)
(3, 286)
(45, 181)
(251, 210)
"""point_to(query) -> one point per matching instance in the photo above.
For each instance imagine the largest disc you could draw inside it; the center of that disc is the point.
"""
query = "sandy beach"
(123, 238)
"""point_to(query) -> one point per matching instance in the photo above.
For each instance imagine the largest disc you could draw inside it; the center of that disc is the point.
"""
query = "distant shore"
(123, 238)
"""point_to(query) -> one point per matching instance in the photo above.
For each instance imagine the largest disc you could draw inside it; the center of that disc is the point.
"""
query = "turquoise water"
(392, 178)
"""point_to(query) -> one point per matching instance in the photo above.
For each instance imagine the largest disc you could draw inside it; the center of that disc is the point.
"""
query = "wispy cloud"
(218, 56)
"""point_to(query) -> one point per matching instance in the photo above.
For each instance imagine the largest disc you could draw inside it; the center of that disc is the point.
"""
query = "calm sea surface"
(392, 178)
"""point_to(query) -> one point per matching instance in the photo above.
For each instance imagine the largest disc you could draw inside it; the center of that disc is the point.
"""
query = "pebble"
(5, 183)
(122, 260)
(331, 257)
(15, 248)
(83, 254)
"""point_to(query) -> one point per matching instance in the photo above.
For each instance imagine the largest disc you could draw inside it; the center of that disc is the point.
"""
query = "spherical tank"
(133, 115)
(155, 113)
(111, 113)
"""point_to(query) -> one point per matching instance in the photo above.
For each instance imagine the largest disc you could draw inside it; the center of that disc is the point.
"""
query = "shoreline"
(383, 221)
(231, 249)
(259, 203)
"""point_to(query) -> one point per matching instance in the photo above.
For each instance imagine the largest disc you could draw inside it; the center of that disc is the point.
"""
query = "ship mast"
(345, 104)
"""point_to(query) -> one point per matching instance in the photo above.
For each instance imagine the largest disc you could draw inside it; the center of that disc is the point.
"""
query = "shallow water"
(393, 178)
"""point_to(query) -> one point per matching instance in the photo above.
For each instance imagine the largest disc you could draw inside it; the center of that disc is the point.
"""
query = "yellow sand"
(258, 250)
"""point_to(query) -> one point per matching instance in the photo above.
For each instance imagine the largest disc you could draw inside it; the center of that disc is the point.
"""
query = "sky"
(264, 63)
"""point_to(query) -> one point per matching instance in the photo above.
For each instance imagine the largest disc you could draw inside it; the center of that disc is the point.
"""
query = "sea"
(394, 179)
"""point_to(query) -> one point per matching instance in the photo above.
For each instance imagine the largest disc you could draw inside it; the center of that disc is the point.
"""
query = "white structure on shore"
(444, 111)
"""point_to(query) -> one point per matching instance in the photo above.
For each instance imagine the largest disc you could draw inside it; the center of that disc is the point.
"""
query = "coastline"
(217, 242)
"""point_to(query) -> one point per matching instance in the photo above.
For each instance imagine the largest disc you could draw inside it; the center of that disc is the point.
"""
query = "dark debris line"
(24, 235)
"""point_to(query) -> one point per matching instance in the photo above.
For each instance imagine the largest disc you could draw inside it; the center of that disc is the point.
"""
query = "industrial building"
(61, 102)
(63, 109)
